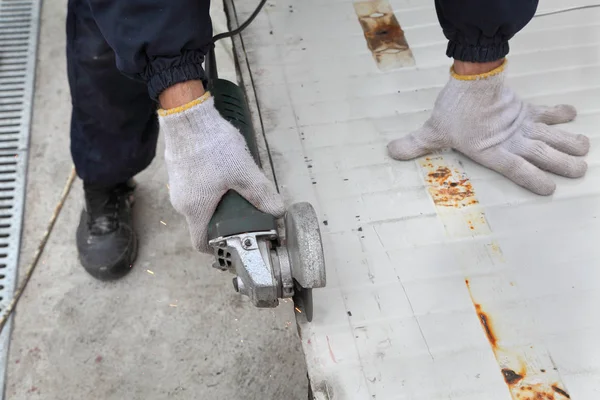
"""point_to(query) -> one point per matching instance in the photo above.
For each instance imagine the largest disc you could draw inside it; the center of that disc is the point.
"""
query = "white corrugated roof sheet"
(488, 292)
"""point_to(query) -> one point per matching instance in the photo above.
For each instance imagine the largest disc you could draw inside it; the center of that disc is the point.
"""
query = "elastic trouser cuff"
(177, 74)
(477, 54)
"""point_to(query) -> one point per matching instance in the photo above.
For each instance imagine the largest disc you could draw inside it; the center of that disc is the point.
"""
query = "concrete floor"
(179, 333)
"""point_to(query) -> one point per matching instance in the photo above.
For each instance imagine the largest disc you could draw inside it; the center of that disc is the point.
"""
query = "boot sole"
(119, 269)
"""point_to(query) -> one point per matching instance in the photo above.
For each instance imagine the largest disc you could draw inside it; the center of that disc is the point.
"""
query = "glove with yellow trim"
(482, 118)
(206, 156)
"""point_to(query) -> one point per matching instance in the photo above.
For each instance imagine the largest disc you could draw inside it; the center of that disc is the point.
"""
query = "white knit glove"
(483, 119)
(206, 156)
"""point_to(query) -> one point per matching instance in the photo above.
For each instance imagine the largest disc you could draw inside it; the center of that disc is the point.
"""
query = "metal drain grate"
(19, 22)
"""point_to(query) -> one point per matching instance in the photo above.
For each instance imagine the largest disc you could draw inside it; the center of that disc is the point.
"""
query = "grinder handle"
(234, 214)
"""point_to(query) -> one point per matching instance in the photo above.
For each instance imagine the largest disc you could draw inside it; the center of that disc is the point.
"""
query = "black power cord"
(243, 26)
(211, 60)
(567, 10)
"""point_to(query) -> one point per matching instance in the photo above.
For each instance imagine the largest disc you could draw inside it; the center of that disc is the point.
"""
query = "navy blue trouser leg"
(114, 127)
(478, 30)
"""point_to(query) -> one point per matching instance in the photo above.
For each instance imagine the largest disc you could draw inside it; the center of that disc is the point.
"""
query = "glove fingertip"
(568, 111)
(582, 145)
(270, 202)
(405, 149)
(538, 183)
(275, 207)
(263, 195)
(544, 188)
(558, 114)
(199, 236)
(578, 169)
(198, 220)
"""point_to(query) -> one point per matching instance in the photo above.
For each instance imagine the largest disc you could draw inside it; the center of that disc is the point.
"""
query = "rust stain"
(450, 189)
(385, 38)
(540, 391)
(521, 386)
(560, 391)
(511, 377)
(525, 372)
(441, 174)
(486, 323)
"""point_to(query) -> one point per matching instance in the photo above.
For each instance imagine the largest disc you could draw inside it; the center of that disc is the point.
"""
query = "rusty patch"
(450, 189)
(521, 389)
(511, 377)
(560, 391)
(540, 391)
(520, 385)
(527, 373)
(486, 323)
(385, 38)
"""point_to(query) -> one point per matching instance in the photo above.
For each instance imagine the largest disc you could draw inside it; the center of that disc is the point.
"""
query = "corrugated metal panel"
(426, 301)
(19, 21)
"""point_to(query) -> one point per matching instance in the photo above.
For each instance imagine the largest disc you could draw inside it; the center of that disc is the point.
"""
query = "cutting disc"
(303, 243)
(304, 301)
(305, 252)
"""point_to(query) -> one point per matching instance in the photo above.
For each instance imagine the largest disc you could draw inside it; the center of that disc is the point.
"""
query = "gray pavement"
(177, 332)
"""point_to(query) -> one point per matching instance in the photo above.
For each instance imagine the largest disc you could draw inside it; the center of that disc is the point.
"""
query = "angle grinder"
(267, 266)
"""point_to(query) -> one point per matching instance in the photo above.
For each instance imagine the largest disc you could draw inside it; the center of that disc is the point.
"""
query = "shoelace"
(103, 206)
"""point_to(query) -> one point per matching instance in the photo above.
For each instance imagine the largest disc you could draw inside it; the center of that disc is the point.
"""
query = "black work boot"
(106, 241)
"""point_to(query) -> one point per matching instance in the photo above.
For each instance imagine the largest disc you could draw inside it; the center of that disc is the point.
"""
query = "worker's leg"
(114, 131)
(479, 31)
(114, 126)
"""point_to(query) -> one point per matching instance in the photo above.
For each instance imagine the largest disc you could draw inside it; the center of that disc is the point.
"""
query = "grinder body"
(246, 241)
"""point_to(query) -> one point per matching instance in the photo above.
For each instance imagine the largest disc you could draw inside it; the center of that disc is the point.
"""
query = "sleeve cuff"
(165, 72)
(478, 54)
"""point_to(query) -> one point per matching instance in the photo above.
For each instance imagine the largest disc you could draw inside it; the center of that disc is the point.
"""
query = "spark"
(150, 272)
(163, 222)
(168, 187)
(172, 305)
(297, 309)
